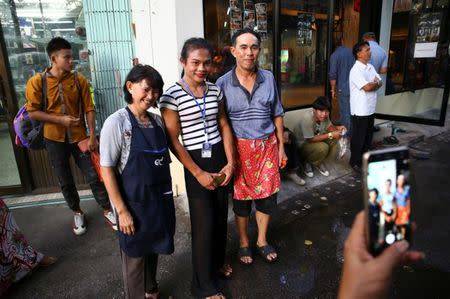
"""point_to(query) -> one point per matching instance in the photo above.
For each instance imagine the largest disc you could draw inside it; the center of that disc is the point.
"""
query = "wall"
(161, 27)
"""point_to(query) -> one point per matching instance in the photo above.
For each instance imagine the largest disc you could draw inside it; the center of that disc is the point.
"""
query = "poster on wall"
(234, 3)
(249, 19)
(235, 17)
(261, 19)
(304, 29)
(427, 34)
(249, 5)
(442, 3)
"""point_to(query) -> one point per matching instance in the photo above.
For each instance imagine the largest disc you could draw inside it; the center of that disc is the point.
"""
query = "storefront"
(297, 39)
(297, 43)
(26, 27)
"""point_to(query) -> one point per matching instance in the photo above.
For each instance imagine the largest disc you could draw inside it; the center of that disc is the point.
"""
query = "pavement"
(308, 231)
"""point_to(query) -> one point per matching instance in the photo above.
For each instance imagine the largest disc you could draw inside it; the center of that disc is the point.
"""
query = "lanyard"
(202, 111)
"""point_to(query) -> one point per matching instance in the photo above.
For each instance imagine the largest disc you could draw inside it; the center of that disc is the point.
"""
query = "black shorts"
(266, 205)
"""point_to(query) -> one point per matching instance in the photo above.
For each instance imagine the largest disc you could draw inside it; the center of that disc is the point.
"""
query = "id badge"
(206, 150)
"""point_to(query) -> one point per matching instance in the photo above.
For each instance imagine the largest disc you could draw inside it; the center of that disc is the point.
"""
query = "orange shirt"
(33, 94)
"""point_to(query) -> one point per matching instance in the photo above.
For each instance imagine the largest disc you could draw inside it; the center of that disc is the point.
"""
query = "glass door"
(223, 17)
(303, 54)
(417, 35)
(8, 166)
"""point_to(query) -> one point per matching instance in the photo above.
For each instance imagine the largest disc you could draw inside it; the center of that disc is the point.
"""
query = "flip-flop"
(265, 250)
(47, 261)
(243, 252)
(390, 140)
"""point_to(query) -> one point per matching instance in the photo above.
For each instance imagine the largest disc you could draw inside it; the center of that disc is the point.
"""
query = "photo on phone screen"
(388, 198)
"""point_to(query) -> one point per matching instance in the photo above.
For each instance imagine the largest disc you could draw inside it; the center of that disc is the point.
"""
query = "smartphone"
(387, 197)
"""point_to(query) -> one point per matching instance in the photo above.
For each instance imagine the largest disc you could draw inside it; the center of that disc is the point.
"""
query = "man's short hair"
(322, 103)
(56, 44)
(370, 35)
(244, 31)
(358, 48)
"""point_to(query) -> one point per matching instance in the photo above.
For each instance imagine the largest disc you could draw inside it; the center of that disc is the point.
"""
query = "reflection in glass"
(27, 28)
(418, 61)
(304, 30)
(225, 17)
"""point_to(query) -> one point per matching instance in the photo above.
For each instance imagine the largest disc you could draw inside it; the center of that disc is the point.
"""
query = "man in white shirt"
(364, 81)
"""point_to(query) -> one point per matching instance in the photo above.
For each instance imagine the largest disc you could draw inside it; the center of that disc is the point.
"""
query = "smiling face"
(197, 65)
(143, 95)
(246, 51)
(62, 59)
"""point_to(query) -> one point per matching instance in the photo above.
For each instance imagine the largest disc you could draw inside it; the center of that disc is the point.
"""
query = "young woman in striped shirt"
(193, 108)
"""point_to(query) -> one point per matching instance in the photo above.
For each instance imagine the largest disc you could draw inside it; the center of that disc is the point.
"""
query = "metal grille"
(110, 43)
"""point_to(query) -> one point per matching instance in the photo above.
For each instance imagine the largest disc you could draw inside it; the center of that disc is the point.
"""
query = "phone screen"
(388, 198)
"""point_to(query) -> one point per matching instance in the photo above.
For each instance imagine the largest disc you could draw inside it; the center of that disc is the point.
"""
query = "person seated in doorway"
(293, 163)
(317, 137)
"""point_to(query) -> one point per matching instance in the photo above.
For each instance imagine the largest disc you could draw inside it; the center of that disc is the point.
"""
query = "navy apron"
(146, 188)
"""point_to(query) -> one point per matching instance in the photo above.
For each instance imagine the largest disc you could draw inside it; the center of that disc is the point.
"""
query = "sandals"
(264, 252)
(226, 271)
(47, 260)
(245, 252)
(390, 140)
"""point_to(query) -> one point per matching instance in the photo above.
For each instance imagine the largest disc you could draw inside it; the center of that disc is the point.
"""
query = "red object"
(257, 174)
(95, 156)
(357, 5)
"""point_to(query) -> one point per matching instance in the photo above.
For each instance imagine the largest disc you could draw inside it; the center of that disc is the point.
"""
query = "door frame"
(9, 101)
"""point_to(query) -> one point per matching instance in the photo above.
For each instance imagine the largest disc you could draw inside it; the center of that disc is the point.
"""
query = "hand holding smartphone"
(387, 197)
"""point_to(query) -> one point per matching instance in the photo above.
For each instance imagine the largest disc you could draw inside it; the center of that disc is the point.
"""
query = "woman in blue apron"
(135, 168)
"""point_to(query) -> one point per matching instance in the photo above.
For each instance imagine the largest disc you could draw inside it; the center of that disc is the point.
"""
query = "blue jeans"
(59, 154)
(344, 111)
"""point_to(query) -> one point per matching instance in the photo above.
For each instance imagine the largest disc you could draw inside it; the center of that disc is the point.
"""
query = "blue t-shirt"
(402, 197)
(341, 62)
(251, 114)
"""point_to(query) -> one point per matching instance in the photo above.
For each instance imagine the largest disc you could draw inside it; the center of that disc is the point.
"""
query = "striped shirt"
(192, 128)
(251, 114)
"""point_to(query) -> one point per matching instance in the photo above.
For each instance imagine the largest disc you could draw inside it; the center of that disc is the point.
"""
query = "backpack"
(29, 132)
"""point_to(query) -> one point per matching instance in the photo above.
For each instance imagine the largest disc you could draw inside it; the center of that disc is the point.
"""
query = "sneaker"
(308, 170)
(111, 219)
(357, 169)
(321, 168)
(79, 226)
(296, 179)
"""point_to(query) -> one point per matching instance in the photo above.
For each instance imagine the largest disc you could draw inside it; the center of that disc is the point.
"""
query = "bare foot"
(152, 295)
(216, 296)
(226, 271)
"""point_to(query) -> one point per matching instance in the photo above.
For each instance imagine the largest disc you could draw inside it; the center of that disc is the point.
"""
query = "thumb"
(392, 256)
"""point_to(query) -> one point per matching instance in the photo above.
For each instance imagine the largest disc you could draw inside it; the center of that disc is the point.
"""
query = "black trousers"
(362, 133)
(59, 154)
(209, 216)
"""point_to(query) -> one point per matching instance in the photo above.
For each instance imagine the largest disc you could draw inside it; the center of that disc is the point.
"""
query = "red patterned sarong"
(256, 175)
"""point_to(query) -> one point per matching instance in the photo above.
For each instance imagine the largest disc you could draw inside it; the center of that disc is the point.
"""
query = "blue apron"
(146, 189)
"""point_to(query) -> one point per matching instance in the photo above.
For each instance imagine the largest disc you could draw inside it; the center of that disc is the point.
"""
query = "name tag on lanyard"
(206, 146)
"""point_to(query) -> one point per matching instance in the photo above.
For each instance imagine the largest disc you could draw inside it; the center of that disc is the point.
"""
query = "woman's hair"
(143, 72)
(194, 43)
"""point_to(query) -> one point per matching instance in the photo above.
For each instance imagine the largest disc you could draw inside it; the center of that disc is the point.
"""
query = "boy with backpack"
(68, 101)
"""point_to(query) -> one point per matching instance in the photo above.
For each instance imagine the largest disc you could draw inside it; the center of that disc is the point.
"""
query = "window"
(224, 17)
(28, 25)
